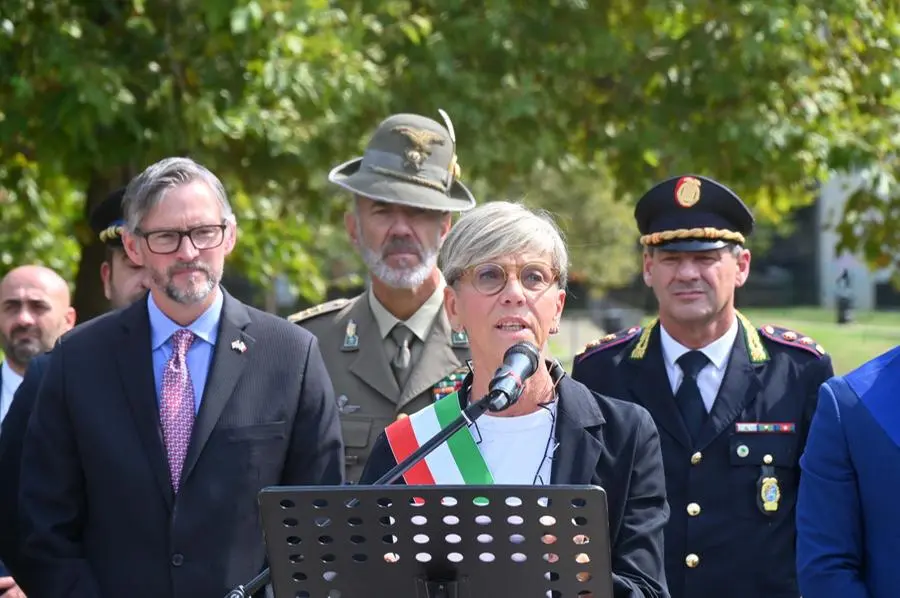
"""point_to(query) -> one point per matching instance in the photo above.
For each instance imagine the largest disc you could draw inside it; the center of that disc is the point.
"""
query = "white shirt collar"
(717, 351)
(9, 382)
(10, 378)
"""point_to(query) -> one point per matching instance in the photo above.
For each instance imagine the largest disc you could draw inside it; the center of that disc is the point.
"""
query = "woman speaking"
(506, 268)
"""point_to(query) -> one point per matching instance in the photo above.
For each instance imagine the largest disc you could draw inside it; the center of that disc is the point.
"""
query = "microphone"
(520, 362)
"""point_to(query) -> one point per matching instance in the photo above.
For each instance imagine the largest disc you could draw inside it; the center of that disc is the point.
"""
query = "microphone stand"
(468, 415)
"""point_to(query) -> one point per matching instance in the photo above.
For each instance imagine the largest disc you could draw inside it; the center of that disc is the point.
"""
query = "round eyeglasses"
(208, 236)
(490, 278)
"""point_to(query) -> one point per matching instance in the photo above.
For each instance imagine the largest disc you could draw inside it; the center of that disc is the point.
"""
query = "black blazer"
(99, 517)
(12, 433)
(615, 445)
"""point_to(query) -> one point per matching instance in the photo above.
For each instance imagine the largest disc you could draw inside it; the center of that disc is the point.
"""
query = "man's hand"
(9, 589)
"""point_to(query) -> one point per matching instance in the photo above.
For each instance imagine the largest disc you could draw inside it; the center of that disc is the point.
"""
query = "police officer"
(732, 402)
(390, 351)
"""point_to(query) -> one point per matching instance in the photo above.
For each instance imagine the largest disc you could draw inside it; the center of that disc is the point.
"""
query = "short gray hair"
(498, 229)
(150, 187)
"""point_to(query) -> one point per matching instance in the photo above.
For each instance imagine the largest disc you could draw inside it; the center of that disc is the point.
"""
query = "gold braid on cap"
(111, 232)
(708, 232)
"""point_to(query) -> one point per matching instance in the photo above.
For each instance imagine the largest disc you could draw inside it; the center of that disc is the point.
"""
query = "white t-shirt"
(517, 448)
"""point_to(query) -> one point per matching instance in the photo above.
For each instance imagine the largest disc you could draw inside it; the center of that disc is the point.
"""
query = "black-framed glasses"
(208, 236)
(490, 278)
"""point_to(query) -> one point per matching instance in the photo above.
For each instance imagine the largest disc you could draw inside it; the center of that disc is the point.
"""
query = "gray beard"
(400, 278)
(193, 294)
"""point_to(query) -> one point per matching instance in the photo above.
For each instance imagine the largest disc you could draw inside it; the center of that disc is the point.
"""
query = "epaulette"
(792, 338)
(610, 340)
(322, 308)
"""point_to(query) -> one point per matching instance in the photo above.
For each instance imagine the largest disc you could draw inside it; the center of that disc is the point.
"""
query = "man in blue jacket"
(848, 522)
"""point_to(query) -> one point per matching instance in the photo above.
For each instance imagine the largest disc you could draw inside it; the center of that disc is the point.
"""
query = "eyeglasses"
(490, 279)
(208, 236)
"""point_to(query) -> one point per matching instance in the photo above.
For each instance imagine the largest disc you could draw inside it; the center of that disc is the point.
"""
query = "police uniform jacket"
(731, 532)
(369, 398)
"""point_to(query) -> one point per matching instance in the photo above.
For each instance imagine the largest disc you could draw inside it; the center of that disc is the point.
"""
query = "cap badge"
(420, 141)
(687, 191)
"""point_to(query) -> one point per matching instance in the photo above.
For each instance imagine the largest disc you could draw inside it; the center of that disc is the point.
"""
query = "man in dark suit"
(733, 403)
(34, 310)
(123, 283)
(156, 426)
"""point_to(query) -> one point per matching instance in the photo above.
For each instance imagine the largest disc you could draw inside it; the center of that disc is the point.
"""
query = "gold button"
(696, 458)
(768, 459)
(692, 560)
(693, 509)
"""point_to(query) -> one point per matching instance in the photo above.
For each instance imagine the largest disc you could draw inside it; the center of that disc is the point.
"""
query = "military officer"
(732, 402)
(390, 351)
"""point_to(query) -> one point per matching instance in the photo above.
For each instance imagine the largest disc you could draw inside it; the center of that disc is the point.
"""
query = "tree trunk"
(89, 300)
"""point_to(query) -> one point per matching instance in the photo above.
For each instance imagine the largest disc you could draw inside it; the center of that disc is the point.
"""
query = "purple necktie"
(176, 408)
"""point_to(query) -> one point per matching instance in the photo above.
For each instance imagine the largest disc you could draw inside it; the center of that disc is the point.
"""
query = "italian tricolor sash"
(455, 462)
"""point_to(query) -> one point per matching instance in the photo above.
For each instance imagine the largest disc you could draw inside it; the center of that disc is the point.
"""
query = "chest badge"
(344, 406)
(351, 340)
(769, 494)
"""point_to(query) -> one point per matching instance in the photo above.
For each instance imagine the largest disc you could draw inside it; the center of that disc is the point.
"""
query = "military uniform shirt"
(710, 377)
(419, 323)
(358, 348)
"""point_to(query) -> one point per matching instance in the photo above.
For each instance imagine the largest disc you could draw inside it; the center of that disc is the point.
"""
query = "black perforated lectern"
(437, 541)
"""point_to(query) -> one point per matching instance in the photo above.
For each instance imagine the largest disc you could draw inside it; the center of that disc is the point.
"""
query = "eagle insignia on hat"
(687, 191)
(421, 141)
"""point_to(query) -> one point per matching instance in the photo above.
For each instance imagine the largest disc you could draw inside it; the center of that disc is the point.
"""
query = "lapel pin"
(238, 345)
(459, 339)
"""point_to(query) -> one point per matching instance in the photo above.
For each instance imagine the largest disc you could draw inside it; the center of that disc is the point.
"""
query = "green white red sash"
(455, 462)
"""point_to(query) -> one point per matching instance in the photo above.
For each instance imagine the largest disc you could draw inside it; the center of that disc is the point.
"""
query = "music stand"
(437, 541)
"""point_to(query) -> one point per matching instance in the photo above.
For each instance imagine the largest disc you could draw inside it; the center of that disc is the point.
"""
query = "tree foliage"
(767, 97)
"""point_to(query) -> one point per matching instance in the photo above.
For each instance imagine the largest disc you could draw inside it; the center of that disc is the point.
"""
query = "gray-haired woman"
(506, 269)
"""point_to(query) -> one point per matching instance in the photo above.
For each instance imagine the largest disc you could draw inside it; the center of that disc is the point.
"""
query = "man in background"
(733, 402)
(390, 351)
(35, 309)
(123, 283)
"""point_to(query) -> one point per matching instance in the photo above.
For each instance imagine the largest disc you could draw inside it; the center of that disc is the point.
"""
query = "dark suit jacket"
(713, 486)
(615, 445)
(12, 433)
(98, 512)
(847, 515)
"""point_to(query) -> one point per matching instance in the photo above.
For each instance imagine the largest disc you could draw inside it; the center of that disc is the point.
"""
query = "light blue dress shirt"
(199, 356)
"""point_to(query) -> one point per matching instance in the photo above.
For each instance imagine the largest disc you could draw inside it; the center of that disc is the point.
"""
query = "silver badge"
(344, 406)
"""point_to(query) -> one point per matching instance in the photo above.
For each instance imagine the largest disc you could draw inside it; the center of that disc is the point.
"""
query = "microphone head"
(527, 349)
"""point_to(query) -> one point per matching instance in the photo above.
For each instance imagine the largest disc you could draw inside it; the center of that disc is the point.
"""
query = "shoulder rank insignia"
(322, 308)
(792, 338)
(610, 340)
